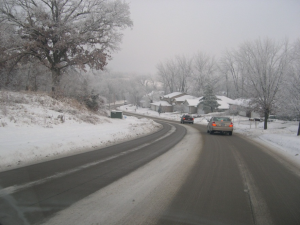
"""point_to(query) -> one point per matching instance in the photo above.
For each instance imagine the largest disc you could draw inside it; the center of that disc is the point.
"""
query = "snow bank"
(35, 127)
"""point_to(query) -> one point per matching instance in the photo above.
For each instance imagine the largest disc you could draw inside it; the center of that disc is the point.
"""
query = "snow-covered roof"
(184, 97)
(162, 103)
(171, 95)
(225, 99)
(193, 102)
(223, 105)
(241, 102)
(224, 102)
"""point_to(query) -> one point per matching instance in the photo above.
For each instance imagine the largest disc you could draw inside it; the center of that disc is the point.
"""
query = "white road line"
(16, 188)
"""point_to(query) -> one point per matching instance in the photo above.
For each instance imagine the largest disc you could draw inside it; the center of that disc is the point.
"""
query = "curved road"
(165, 178)
(34, 193)
(236, 181)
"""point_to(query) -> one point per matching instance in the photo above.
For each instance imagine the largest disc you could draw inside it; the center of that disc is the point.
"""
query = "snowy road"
(34, 193)
(179, 175)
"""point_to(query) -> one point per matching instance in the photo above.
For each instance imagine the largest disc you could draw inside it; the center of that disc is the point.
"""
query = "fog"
(165, 28)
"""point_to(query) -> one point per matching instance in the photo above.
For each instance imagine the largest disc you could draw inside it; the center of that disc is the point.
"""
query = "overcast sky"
(165, 28)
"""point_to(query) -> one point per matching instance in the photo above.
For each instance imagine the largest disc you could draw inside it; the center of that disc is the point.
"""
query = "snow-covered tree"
(185, 67)
(209, 100)
(175, 74)
(294, 71)
(265, 64)
(167, 73)
(232, 70)
(289, 101)
(63, 33)
(204, 73)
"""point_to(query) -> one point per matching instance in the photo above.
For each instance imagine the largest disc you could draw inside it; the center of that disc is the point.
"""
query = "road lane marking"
(141, 196)
(16, 188)
(259, 208)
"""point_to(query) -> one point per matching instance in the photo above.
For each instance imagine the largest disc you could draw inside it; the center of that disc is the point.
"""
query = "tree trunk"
(266, 119)
(55, 79)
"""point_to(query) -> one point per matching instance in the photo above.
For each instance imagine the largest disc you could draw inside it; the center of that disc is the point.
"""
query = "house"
(181, 99)
(242, 107)
(170, 98)
(224, 103)
(191, 105)
(178, 102)
(149, 98)
(145, 103)
(165, 106)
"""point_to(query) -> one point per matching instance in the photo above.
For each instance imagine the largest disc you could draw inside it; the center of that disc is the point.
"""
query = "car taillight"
(192, 118)
(184, 118)
(214, 124)
(231, 125)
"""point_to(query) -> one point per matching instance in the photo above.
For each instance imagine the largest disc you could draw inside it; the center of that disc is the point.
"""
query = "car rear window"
(222, 119)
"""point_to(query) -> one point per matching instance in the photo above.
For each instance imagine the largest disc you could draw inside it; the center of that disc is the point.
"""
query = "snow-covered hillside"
(35, 127)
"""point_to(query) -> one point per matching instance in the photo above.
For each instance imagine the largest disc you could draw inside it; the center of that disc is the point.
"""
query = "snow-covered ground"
(281, 136)
(35, 127)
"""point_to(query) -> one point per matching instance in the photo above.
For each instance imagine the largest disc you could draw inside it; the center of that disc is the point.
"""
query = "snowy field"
(36, 128)
(281, 136)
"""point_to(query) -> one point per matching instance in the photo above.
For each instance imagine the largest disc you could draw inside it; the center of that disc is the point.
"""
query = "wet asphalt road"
(37, 202)
(234, 181)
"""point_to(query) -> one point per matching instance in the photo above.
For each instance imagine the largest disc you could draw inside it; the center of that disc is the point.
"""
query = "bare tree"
(149, 87)
(135, 91)
(204, 73)
(175, 74)
(63, 33)
(167, 74)
(266, 64)
(289, 103)
(184, 68)
(233, 71)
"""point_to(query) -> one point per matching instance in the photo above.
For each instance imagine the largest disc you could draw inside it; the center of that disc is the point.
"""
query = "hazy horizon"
(166, 28)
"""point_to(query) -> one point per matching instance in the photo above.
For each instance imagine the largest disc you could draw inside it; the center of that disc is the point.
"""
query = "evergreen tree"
(209, 100)
(159, 109)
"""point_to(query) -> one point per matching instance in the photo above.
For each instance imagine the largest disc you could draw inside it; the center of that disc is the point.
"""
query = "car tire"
(211, 132)
(230, 133)
(207, 131)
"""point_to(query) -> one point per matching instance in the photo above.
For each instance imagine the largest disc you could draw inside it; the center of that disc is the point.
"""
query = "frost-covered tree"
(294, 72)
(185, 68)
(209, 100)
(234, 75)
(167, 73)
(204, 73)
(63, 33)
(175, 74)
(289, 102)
(265, 64)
